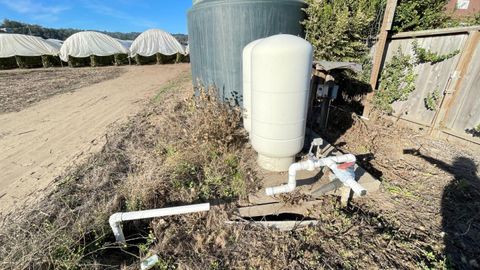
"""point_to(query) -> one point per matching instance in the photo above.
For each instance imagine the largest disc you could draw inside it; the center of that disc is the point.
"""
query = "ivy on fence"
(427, 56)
(432, 100)
(396, 83)
(398, 78)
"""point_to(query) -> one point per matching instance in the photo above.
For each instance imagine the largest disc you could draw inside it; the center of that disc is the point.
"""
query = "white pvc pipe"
(292, 177)
(116, 219)
(343, 175)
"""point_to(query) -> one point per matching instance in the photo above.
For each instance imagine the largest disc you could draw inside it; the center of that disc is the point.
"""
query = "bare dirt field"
(22, 88)
(39, 142)
(181, 150)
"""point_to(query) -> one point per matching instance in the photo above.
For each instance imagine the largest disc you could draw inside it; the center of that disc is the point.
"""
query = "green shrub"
(156, 59)
(121, 59)
(184, 58)
(166, 59)
(51, 61)
(145, 60)
(29, 61)
(8, 63)
(413, 15)
(339, 29)
(78, 61)
(99, 61)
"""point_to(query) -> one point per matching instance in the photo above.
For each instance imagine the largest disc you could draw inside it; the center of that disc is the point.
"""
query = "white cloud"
(36, 11)
(32, 7)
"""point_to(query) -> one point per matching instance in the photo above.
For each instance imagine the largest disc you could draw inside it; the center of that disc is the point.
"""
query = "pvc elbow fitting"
(271, 191)
(292, 175)
(115, 222)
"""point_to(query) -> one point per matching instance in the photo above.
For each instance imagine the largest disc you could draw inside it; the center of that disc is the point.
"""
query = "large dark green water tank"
(218, 30)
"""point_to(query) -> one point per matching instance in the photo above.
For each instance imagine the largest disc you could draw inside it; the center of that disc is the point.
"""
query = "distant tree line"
(64, 33)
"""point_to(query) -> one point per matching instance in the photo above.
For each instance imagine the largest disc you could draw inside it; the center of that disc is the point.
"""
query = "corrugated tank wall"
(219, 30)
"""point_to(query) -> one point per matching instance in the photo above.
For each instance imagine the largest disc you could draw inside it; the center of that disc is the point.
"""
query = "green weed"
(431, 101)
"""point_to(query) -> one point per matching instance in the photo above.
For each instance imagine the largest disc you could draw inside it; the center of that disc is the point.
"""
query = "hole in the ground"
(280, 217)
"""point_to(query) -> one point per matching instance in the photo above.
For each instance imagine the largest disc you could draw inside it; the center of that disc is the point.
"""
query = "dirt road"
(40, 142)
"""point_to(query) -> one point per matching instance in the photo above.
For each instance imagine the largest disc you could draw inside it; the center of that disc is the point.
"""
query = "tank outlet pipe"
(308, 165)
(344, 173)
(116, 219)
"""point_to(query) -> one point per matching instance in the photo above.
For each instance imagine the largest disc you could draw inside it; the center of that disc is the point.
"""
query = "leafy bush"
(98, 61)
(121, 59)
(143, 60)
(166, 59)
(51, 61)
(29, 61)
(338, 29)
(8, 63)
(78, 61)
(156, 59)
(413, 15)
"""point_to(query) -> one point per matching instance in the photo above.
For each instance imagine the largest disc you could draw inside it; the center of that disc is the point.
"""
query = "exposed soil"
(22, 88)
(178, 152)
(431, 187)
(38, 143)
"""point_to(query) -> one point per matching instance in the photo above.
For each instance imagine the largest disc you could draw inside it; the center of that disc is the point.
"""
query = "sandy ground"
(38, 143)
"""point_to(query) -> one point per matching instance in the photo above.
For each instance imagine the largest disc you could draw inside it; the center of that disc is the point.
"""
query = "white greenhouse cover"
(125, 43)
(23, 45)
(55, 43)
(155, 41)
(84, 44)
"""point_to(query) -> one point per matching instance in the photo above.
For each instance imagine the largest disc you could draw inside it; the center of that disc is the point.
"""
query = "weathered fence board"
(457, 79)
(465, 110)
(430, 77)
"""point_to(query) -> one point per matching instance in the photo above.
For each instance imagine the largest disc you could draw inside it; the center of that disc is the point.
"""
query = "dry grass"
(183, 149)
(22, 88)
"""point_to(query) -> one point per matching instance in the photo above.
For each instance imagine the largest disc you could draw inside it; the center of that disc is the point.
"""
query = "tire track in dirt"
(37, 144)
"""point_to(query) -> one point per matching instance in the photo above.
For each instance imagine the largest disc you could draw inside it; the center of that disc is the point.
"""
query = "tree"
(338, 29)
(412, 15)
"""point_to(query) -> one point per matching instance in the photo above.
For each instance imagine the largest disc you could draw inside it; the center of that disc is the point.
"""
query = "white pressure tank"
(280, 73)
(247, 84)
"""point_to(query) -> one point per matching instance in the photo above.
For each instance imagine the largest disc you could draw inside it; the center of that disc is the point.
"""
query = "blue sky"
(108, 15)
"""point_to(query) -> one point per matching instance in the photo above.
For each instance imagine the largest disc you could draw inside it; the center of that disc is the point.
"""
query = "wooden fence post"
(453, 89)
(379, 53)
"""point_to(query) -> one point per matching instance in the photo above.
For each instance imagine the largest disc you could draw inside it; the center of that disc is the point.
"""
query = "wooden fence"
(457, 80)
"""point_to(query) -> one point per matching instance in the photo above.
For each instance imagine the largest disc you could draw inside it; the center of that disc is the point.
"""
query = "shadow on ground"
(460, 211)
